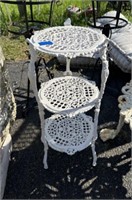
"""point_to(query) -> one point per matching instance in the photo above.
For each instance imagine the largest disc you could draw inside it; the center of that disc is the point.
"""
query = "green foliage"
(13, 48)
(10, 14)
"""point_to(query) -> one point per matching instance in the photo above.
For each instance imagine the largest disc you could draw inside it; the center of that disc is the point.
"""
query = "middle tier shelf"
(68, 94)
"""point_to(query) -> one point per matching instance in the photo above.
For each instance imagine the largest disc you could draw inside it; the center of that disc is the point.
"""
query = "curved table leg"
(45, 155)
(94, 154)
(32, 78)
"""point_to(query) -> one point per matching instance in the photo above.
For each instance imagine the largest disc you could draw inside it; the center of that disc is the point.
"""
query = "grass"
(14, 47)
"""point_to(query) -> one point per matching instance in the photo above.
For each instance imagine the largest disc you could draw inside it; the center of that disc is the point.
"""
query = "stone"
(7, 117)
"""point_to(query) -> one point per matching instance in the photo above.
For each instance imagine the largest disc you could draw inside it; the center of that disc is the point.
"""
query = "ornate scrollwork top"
(70, 41)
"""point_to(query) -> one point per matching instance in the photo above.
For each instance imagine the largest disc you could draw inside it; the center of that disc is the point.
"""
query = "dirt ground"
(68, 177)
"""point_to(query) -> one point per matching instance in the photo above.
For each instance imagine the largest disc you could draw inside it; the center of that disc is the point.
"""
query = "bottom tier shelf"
(69, 134)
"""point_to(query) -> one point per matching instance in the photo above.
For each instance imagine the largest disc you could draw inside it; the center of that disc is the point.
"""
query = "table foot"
(94, 163)
(45, 166)
(67, 73)
(45, 163)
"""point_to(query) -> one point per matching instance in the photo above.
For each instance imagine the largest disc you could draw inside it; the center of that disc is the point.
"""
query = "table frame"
(104, 76)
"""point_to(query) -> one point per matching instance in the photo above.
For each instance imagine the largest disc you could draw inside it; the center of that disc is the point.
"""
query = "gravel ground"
(68, 177)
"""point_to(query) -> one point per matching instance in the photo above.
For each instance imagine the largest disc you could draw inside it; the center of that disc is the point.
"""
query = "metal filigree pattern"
(70, 41)
(67, 134)
(67, 93)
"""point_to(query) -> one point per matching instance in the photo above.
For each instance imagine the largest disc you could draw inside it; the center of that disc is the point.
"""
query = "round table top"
(68, 41)
(68, 94)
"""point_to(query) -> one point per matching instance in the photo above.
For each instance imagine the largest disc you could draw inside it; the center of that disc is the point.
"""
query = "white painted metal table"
(70, 42)
(68, 130)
